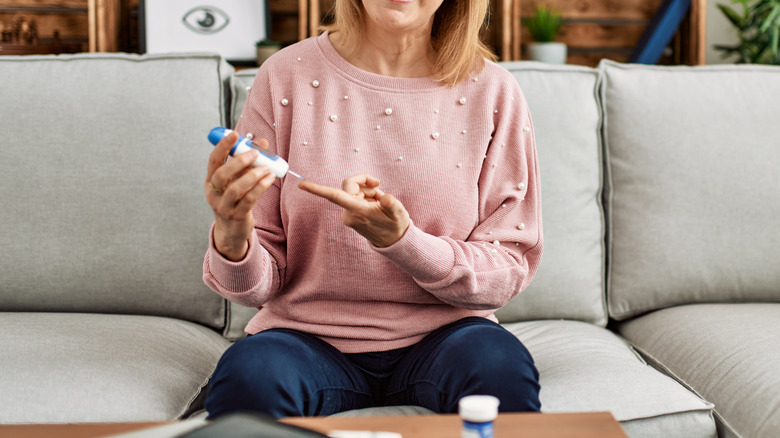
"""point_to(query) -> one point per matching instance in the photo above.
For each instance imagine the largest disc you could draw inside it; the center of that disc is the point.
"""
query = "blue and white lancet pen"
(275, 163)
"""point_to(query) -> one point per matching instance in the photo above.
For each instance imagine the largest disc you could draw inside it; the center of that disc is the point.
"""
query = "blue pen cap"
(217, 134)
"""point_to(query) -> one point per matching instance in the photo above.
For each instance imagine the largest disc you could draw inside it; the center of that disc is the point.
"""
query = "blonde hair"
(455, 35)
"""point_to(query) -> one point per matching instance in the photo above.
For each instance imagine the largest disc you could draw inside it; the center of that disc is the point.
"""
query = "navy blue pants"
(282, 372)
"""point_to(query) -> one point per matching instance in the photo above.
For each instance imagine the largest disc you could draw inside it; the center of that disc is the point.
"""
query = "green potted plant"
(758, 29)
(544, 27)
(266, 48)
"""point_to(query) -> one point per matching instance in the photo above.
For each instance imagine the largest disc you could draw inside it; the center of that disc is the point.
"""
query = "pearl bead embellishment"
(248, 89)
(496, 242)
(521, 186)
(435, 135)
(388, 111)
(285, 102)
(462, 100)
(315, 83)
(346, 97)
(250, 136)
(460, 165)
(310, 103)
(521, 227)
(378, 127)
(526, 129)
(401, 158)
(463, 132)
(333, 117)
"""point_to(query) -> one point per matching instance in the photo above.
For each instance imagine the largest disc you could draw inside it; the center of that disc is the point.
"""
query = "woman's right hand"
(233, 187)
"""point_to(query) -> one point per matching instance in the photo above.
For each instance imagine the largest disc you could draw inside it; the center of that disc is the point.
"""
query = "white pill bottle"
(478, 413)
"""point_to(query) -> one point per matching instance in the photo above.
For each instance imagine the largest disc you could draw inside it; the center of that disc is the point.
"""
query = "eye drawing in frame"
(227, 27)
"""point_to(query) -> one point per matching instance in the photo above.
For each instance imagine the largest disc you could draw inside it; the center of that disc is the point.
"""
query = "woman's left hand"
(377, 216)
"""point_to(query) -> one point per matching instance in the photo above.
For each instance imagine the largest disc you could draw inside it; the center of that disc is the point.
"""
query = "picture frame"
(230, 28)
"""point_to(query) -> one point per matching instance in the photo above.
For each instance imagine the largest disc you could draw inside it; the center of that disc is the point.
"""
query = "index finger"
(220, 153)
(336, 196)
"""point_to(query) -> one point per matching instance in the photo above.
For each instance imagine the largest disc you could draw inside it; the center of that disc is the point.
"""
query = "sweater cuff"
(427, 258)
(240, 276)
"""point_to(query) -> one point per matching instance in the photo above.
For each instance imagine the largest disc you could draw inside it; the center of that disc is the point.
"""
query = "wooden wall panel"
(588, 35)
(596, 9)
(76, 4)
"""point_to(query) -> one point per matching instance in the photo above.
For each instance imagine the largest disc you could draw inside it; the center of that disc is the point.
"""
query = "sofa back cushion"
(564, 104)
(102, 183)
(693, 155)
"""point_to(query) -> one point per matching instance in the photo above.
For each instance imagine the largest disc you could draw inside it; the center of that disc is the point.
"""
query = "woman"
(381, 292)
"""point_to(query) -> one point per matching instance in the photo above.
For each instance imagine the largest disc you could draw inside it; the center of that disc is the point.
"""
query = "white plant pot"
(551, 53)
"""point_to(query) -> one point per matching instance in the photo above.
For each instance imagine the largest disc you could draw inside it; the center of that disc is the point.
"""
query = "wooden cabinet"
(593, 29)
(596, 29)
(39, 26)
(58, 26)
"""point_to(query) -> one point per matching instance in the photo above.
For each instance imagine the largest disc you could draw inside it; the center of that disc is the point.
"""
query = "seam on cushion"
(194, 397)
(656, 364)
(607, 190)
(602, 142)
(228, 319)
(673, 414)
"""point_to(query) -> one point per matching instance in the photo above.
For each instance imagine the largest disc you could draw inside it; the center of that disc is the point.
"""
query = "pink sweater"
(462, 160)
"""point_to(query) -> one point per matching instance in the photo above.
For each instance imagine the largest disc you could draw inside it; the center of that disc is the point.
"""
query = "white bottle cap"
(478, 408)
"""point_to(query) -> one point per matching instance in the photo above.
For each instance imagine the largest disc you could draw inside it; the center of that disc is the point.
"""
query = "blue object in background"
(660, 31)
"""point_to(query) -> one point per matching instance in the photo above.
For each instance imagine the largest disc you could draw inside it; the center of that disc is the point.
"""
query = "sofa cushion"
(693, 195)
(567, 121)
(103, 205)
(63, 368)
(587, 368)
(728, 353)
(566, 114)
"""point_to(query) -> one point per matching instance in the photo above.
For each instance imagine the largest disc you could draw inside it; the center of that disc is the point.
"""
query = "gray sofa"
(657, 298)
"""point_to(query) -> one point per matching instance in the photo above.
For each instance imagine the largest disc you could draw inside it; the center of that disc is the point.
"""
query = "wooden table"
(580, 425)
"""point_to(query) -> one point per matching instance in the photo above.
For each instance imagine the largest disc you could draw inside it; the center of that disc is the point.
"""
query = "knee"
(495, 362)
(251, 376)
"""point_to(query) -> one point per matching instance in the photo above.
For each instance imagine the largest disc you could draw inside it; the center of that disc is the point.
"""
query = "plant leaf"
(731, 14)
(769, 21)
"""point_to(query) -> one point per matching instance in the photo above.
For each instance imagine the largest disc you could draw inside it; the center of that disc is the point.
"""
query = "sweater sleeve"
(502, 253)
(257, 278)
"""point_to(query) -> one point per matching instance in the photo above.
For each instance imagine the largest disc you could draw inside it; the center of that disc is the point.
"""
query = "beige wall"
(719, 31)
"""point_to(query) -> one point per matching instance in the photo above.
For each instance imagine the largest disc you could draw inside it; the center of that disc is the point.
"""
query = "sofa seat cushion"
(583, 368)
(71, 367)
(728, 353)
